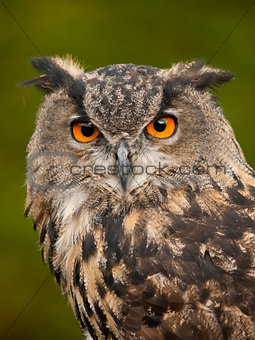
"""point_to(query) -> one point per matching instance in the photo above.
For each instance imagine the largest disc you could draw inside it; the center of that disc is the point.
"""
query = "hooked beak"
(123, 164)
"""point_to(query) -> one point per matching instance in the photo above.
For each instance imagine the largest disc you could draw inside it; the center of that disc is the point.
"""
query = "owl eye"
(163, 127)
(84, 131)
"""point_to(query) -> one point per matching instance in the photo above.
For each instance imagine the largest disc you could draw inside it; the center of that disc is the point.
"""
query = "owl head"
(125, 128)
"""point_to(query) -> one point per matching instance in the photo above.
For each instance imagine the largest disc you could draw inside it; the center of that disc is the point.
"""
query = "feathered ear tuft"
(55, 75)
(199, 75)
(38, 81)
(58, 73)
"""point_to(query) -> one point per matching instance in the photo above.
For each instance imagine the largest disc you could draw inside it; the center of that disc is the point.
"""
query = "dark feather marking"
(117, 287)
(85, 300)
(163, 192)
(43, 255)
(88, 247)
(210, 268)
(118, 253)
(252, 190)
(137, 277)
(53, 232)
(215, 185)
(88, 311)
(71, 292)
(116, 320)
(101, 289)
(34, 225)
(103, 321)
(27, 209)
(113, 231)
(238, 198)
(51, 261)
(157, 304)
(89, 327)
(151, 321)
(239, 183)
(170, 90)
(148, 290)
(175, 301)
(76, 273)
(58, 274)
(78, 314)
(43, 234)
(37, 221)
(108, 278)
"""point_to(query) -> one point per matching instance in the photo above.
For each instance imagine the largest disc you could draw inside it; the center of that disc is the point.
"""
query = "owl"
(143, 200)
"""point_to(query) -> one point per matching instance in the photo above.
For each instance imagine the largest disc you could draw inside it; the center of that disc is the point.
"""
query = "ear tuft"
(58, 73)
(55, 76)
(199, 75)
(70, 65)
(38, 81)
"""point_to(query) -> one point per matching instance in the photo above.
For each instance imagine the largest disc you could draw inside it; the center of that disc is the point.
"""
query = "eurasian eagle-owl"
(143, 201)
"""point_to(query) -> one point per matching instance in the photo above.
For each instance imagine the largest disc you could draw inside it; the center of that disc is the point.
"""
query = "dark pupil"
(159, 125)
(87, 130)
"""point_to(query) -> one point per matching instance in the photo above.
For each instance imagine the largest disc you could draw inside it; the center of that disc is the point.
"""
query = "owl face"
(124, 127)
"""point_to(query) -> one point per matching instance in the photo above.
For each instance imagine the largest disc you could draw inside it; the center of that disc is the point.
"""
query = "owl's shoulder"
(192, 263)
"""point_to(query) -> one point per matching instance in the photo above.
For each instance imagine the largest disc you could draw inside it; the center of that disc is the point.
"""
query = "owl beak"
(123, 164)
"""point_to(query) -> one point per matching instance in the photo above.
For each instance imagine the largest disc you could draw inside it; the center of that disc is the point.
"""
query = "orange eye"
(163, 127)
(84, 131)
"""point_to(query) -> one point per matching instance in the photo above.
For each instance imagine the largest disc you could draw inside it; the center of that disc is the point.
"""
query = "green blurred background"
(98, 33)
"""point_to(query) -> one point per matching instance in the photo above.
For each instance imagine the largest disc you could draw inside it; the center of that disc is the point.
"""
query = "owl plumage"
(163, 253)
